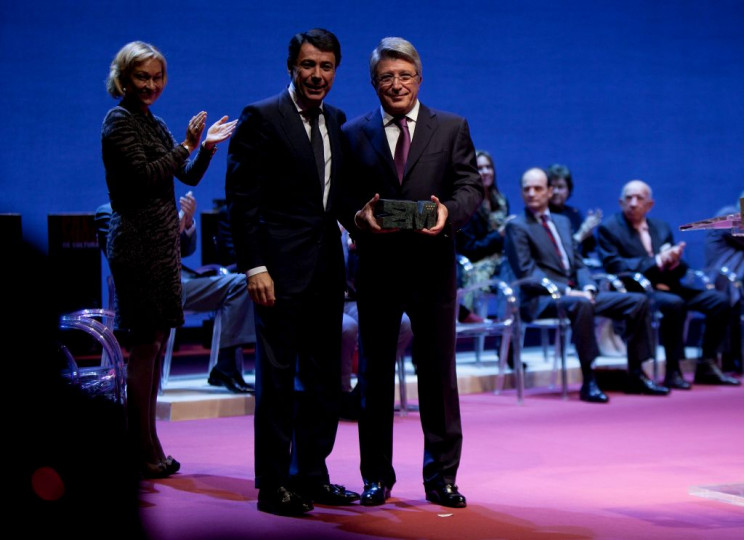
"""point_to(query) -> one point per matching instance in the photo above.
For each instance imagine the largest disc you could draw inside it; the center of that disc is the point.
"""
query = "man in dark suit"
(539, 244)
(283, 176)
(403, 270)
(724, 249)
(631, 242)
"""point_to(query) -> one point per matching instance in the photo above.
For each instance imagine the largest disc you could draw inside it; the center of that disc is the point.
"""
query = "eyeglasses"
(388, 79)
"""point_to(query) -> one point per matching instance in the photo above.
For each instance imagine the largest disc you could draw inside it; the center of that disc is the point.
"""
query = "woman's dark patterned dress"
(141, 158)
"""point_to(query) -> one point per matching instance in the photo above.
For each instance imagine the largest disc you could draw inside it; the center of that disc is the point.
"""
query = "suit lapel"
(542, 239)
(564, 231)
(295, 134)
(426, 124)
(293, 128)
(334, 130)
(654, 234)
(634, 243)
(375, 132)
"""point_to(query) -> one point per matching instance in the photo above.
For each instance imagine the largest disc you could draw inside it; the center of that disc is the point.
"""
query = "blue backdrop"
(616, 90)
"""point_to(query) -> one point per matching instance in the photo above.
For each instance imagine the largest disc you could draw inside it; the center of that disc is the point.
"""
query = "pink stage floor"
(549, 469)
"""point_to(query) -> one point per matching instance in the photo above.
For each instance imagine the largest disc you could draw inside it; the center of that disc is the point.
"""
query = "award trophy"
(406, 215)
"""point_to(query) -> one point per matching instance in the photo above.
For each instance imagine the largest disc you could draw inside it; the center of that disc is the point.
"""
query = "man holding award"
(404, 151)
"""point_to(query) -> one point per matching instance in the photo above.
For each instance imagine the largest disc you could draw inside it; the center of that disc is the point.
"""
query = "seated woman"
(559, 178)
(481, 240)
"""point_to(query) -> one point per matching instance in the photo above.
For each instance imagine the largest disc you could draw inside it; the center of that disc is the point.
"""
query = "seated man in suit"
(723, 249)
(223, 240)
(630, 241)
(227, 292)
(539, 244)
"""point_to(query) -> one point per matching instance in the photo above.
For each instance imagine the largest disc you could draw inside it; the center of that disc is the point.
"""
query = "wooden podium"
(75, 261)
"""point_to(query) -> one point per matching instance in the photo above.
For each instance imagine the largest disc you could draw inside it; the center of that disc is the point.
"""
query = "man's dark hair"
(557, 171)
(317, 37)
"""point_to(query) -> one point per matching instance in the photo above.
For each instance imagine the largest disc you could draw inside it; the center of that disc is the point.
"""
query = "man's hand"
(592, 221)
(442, 214)
(261, 289)
(671, 255)
(187, 211)
(365, 219)
(586, 294)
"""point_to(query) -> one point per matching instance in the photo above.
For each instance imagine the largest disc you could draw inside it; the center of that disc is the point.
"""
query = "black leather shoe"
(638, 383)
(332, 495)
(446, 495)
(675, 380)
(234, 382)
(708, 372)
(282, 502)
(171, 465)
(375, 494)
(591, 393)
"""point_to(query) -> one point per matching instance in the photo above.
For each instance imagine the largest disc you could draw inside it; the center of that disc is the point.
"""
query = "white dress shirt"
(392, 131)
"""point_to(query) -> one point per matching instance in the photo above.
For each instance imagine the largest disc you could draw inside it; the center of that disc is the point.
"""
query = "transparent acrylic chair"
(170, 345)
(108, 379)
(499, 323)
(560, 324)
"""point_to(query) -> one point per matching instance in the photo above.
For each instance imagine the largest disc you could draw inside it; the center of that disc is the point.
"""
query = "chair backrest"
(505, 302)
(728, 281)
(500, 322)
(525, 290)
(108, 379)
(697, 279)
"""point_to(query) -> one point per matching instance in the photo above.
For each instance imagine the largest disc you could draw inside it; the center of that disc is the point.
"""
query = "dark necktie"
(316, 141)
(544, 221)
(402, 146)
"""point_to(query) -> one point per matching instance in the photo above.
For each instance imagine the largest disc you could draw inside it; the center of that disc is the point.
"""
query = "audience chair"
(214, 349)
(400, 363)
(609, 342)
(635, 281)
(108, 379)
(500, 324)
(562, 328)
(728, 282)
(560, 324)
(725, 281)
(464, 269)
(700, 279)
(484, 298)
